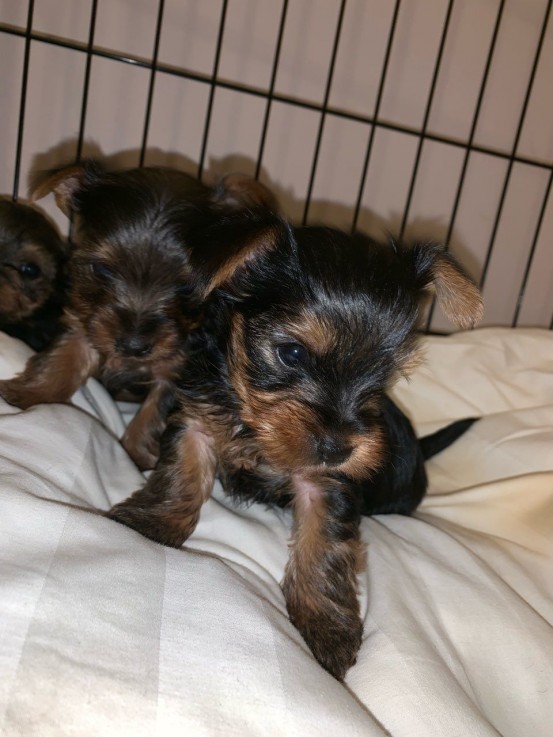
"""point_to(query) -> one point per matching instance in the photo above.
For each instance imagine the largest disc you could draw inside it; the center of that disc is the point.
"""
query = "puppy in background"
(33, 258)
(284, 399)
(131, 303)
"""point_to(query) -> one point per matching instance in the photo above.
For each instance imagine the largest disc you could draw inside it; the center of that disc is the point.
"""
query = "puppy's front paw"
(334, 637)
(144, 451)
(16, 392)
(149, 522)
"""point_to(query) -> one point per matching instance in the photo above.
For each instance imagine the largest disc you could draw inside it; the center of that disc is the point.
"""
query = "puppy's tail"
(437, 441)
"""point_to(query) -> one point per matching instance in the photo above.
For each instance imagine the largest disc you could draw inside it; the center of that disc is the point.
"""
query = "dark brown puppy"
(130, 306)
(284, 399)
(32, 275)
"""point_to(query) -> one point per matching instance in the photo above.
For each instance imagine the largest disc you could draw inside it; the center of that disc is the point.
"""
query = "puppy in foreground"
(284, 399)
(32, 275)
(131, 306)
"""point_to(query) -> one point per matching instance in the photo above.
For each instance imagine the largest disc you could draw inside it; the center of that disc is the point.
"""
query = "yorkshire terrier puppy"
(131, 304)
(284, 398)
(32, 275)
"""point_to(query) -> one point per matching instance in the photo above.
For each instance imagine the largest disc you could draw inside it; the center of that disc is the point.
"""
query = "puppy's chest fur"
(208, 403)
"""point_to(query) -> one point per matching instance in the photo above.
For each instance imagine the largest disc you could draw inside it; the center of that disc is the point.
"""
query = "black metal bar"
(324, 109)
(86, 83)
(515, 145)
(286, 99)
(378, 101)
(426, 118)
(23, 99)
(532, 251)
(213, 87)
(472, 133)
(276, 59)
(151, 85)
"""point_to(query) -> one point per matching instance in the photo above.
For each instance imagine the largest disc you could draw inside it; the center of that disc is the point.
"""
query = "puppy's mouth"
(357, 458)
(118, 378)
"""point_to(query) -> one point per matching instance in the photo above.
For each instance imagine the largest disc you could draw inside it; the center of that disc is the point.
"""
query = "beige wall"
(118, 93)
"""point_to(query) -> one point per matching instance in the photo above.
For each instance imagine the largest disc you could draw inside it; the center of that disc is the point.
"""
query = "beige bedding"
(103, 632)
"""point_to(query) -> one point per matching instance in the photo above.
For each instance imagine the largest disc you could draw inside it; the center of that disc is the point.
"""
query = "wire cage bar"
(535, 262)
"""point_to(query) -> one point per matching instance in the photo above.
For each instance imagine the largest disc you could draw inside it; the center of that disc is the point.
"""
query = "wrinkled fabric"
(103, 632)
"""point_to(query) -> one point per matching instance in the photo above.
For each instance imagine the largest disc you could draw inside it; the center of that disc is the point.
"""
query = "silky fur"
(130, 305)
(33, 258)
(319, 434)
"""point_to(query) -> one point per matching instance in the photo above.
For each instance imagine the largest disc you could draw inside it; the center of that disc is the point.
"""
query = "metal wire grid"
(324, 109)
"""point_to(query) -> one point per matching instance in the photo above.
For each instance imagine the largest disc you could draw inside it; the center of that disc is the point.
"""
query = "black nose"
(333, 450)
(134, 345)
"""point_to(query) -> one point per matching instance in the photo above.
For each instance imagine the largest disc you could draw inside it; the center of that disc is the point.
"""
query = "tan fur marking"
(141, 438)
(458, 296)
(320, 584)
(241, 190)
(368, 455)
(313, 331)
(63, 184)
(53, 375)
(249, 251)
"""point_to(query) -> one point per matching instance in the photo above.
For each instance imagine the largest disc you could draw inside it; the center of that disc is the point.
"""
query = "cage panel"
(307, 48)
(338, 172)
(536, 302)
(115, 117)
(189, 34)
(177, 125)
(12, 52)
(413, 59)
(510, 73)
(387, 183)
(288, 155)
(361, 54)
(126, 28)
(233, 135)
(385, 116)
(63, 19)
(513, 240)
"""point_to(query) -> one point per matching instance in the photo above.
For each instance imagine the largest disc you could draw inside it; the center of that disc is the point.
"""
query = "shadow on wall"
(321, 212)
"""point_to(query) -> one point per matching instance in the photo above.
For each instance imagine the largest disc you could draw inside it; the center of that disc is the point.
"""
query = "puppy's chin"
(14, 306)
(126, 384)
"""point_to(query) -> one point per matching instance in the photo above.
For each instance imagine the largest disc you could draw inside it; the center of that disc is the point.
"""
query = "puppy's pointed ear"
(437, 271)
(238, 191)
(226, 253)
(65, 183)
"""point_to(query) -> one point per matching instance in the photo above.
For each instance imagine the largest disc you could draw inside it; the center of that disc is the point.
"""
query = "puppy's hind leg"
(320, 585)
(168, 507)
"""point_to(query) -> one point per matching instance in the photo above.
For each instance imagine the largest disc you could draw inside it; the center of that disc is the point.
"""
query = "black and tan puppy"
(130, 306)
(284, 399)
(32, 275)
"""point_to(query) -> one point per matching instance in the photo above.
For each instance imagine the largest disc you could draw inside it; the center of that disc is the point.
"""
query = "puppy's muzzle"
(135, 346)
(333, 450)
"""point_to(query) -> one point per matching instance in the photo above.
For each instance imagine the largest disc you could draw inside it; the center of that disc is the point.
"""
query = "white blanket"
(106, 633)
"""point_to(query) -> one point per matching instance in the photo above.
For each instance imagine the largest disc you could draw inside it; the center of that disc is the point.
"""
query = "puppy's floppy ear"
(65, 183)
(237, 191)
(235, 245)
(437, 270)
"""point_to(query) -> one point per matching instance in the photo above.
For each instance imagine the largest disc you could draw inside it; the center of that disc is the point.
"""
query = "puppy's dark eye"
(292, 354)
(102, 271)
(29, 270)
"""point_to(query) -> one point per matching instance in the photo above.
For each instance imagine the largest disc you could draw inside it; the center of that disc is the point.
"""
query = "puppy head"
(132, 281)
(32, 260)
(321, 333)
